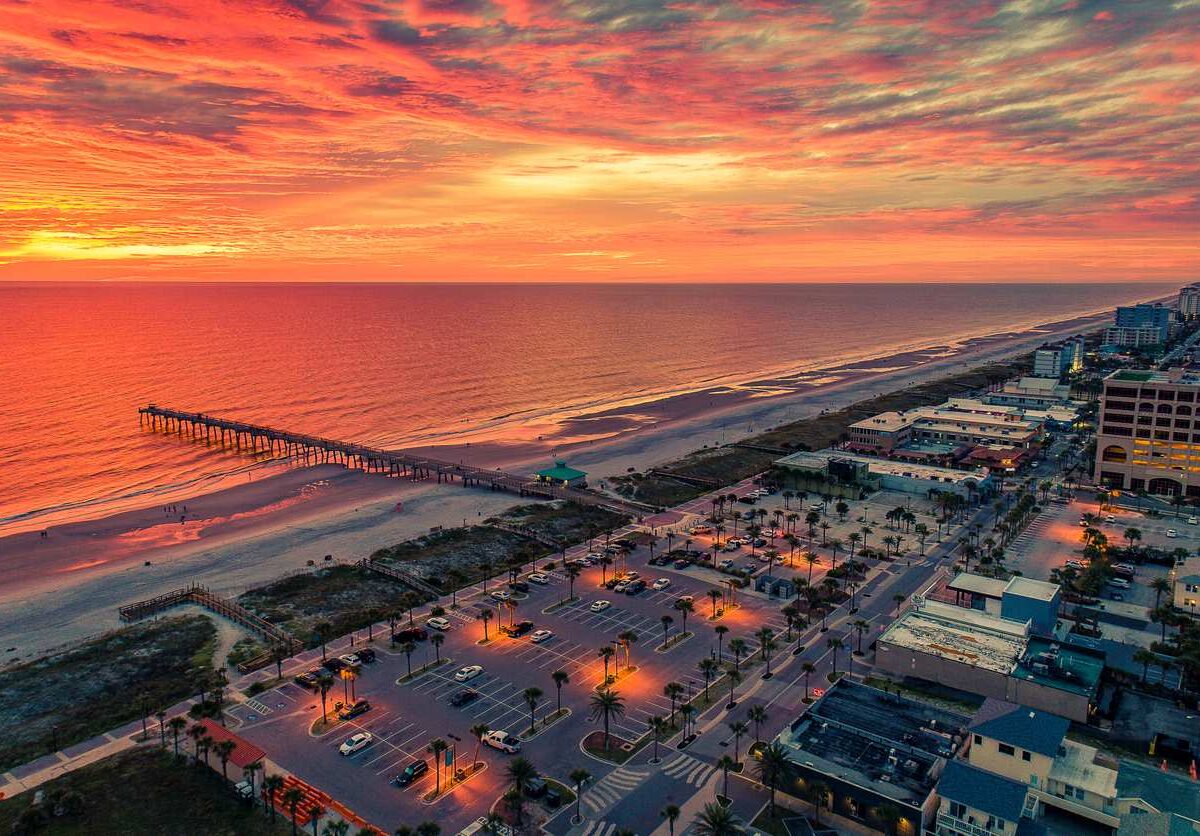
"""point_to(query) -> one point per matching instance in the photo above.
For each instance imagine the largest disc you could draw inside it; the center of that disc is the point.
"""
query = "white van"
(1119, 583)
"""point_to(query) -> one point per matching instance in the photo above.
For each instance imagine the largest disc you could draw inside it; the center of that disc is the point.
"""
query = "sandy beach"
(70, 584)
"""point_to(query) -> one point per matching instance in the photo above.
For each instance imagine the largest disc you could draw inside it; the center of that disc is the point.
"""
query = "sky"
(600, 140)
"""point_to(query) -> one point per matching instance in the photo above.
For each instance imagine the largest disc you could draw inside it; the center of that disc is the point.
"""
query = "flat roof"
(890, 744)
(886, 467)
(978, 584)
(886, 421)
(1086, 767)
(1067, 667)
(1178, 377)
(1030, 588)
(961, 635)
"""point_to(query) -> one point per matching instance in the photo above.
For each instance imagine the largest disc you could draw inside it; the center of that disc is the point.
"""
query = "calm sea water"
(413, 364)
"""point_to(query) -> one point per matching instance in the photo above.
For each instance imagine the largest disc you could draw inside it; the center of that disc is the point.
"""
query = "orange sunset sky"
(585, 140)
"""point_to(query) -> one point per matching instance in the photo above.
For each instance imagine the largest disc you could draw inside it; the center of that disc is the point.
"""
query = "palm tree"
(737, 647)
(860, 626)
(335, 828)
(572, 574)
(720, 630)
(812, 560)
(1159, 585)
(324, 686)
(684, 608)
(176, 725)
(1145, 658)
(314, 816)
(224, 749)
(435, 748)
(757, 715)
(726, 763)
(521, 772)
(531, 696)
(291, 800)
(817, 793)
(667, 621)
(249, 772)
(708, 669)
(627, 638)
(436, 640)
(579, 777)
(739, 728)
(716, 820)
(809, 668)
(322, 629)
(560, 678)
(687, 711)
(272, 786)
(735, 676)
(606, 652)
(835, 645)
(485, 616)
(670, 813)
(477, 731)
(407, 649)
(658, 728)
(607, 704)
(772, 768)
(673, 691)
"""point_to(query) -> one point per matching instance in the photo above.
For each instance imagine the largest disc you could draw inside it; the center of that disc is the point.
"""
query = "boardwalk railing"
(403, 576)
(257, 438)
(202, 596)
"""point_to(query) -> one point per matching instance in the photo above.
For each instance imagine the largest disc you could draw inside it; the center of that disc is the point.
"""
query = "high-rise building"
(1053, 360)
(1149, 434)
(1189, 303)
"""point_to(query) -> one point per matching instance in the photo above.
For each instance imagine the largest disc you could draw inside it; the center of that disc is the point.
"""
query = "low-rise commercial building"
(847, 474)
(1031, 393)
(944, 425)
(990, 656)
(1016, 599)
(878, 755)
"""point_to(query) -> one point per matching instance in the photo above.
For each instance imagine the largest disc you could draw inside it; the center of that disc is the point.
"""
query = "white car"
(1119, 583)
(438, 623)
(500, 594)
(502, 740)
(350, 660)
(540, 636)
(621, 586)
(691, 599)
(593, 556)
(1110, 519)
(539, 577)
(600, 606)
(1193, 521)
(661, 583)
(1172, 533)
(632, 576)
(356, 743)
(468, 673)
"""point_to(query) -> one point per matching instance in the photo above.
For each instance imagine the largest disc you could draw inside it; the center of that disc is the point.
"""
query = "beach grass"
(145, 792)
(75, 694)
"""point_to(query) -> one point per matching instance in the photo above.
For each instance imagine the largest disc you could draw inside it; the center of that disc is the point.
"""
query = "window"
(1025, 756)
(1005, 749)
(1111, 430)
(958, 811)
(979, 740)
(1120, 392)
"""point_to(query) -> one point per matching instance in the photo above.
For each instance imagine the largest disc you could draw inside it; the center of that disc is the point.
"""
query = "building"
(974, 802)
(944, 425)
(1057, 359)
(1144, 315)
(1145, 336)
(1016, 599)
(1152, 802)
(1030, 747)
(875, 753)
(1186, 586)
(1032, 393)
(846, 474)
(1189, 303)
(562, 475)
(990, 656)
(1149, 435)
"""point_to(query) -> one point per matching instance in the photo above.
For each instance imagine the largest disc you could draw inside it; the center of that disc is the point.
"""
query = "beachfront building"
(1054, 360)
(846, 474)
(944, 425)
(1146, 336)
(1149, 433)
(1189, 303)
(974, 802)
(1186, 587)
(878, 756)
(562, 475)
(1032, 393)
(991, 656)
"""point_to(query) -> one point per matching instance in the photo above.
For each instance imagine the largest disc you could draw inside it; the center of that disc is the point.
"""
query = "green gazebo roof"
(560, 471)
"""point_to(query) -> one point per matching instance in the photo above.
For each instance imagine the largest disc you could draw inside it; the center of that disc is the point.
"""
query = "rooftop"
(244, 752)
(978, 584)
(885, 467)
(962, 635)
(1069, 667)
(1085, 767)
(1180, 377)
(1018, 725)
(886, 421)
(1030, 588)
(561, 471)
(887, 743)
(983, 791)
(1166, 792)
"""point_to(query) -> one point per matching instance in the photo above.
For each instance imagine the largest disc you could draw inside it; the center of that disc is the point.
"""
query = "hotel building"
(1149, 435)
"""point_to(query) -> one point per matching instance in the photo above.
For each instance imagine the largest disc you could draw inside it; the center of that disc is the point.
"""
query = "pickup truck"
(502, 740)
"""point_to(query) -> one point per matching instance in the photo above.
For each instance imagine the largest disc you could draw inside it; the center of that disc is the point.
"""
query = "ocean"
(409, 365)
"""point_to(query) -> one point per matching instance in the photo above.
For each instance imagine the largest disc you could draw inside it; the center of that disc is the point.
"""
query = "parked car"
(468, 673)
(553, 798)
(540, 636)
(500, 594)
(1172, 533)
(412, 634)
(1119, 583)
(367, 655)
(632, 576)
(411, 773)
(635, 587)
(308, 679)
(519, 586)
(438, 623)
(620, 586)
(725, 564)
(350, 661)
(660, 584)
(691, 599)
(536, 787)
(518, 629)
(356, 709)
(759, 542)
(682, 564)
(539, 577)
(1116, 596)
(1193, 520)
(464, 697)
(356, 743)
(333, 664)
(600, 606)
(502, 740)
(747, 499)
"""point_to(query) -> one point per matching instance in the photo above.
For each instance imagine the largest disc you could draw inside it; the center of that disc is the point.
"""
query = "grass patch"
(566, 523)
(79, 693)
(616, 751)
(144, 792)
(244, 649)
(677, 639)
(347, 597)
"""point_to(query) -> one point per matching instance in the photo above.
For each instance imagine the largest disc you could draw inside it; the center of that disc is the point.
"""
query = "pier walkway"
(254, 438)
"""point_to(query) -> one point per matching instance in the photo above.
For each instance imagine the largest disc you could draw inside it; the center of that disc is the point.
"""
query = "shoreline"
(70, 584)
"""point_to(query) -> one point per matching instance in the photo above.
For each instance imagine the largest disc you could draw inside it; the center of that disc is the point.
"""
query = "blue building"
(1037, 602)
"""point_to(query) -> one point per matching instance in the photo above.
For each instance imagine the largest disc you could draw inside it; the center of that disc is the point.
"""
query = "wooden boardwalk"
(311, 449)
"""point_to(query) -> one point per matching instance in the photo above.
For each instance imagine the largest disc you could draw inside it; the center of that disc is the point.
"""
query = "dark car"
(759, 542)
(412, 634)
(553, 797)
(747, 500)
(536, 787)
(366, 655)
(611, 582)
(518, 629)
(635, 587)
(333, 664)
(464, 697)
(351, 711)
(519, 586)
(411, 773)
(681, 564)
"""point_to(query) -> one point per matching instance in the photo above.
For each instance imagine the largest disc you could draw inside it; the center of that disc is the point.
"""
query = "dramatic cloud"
(614, 139)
